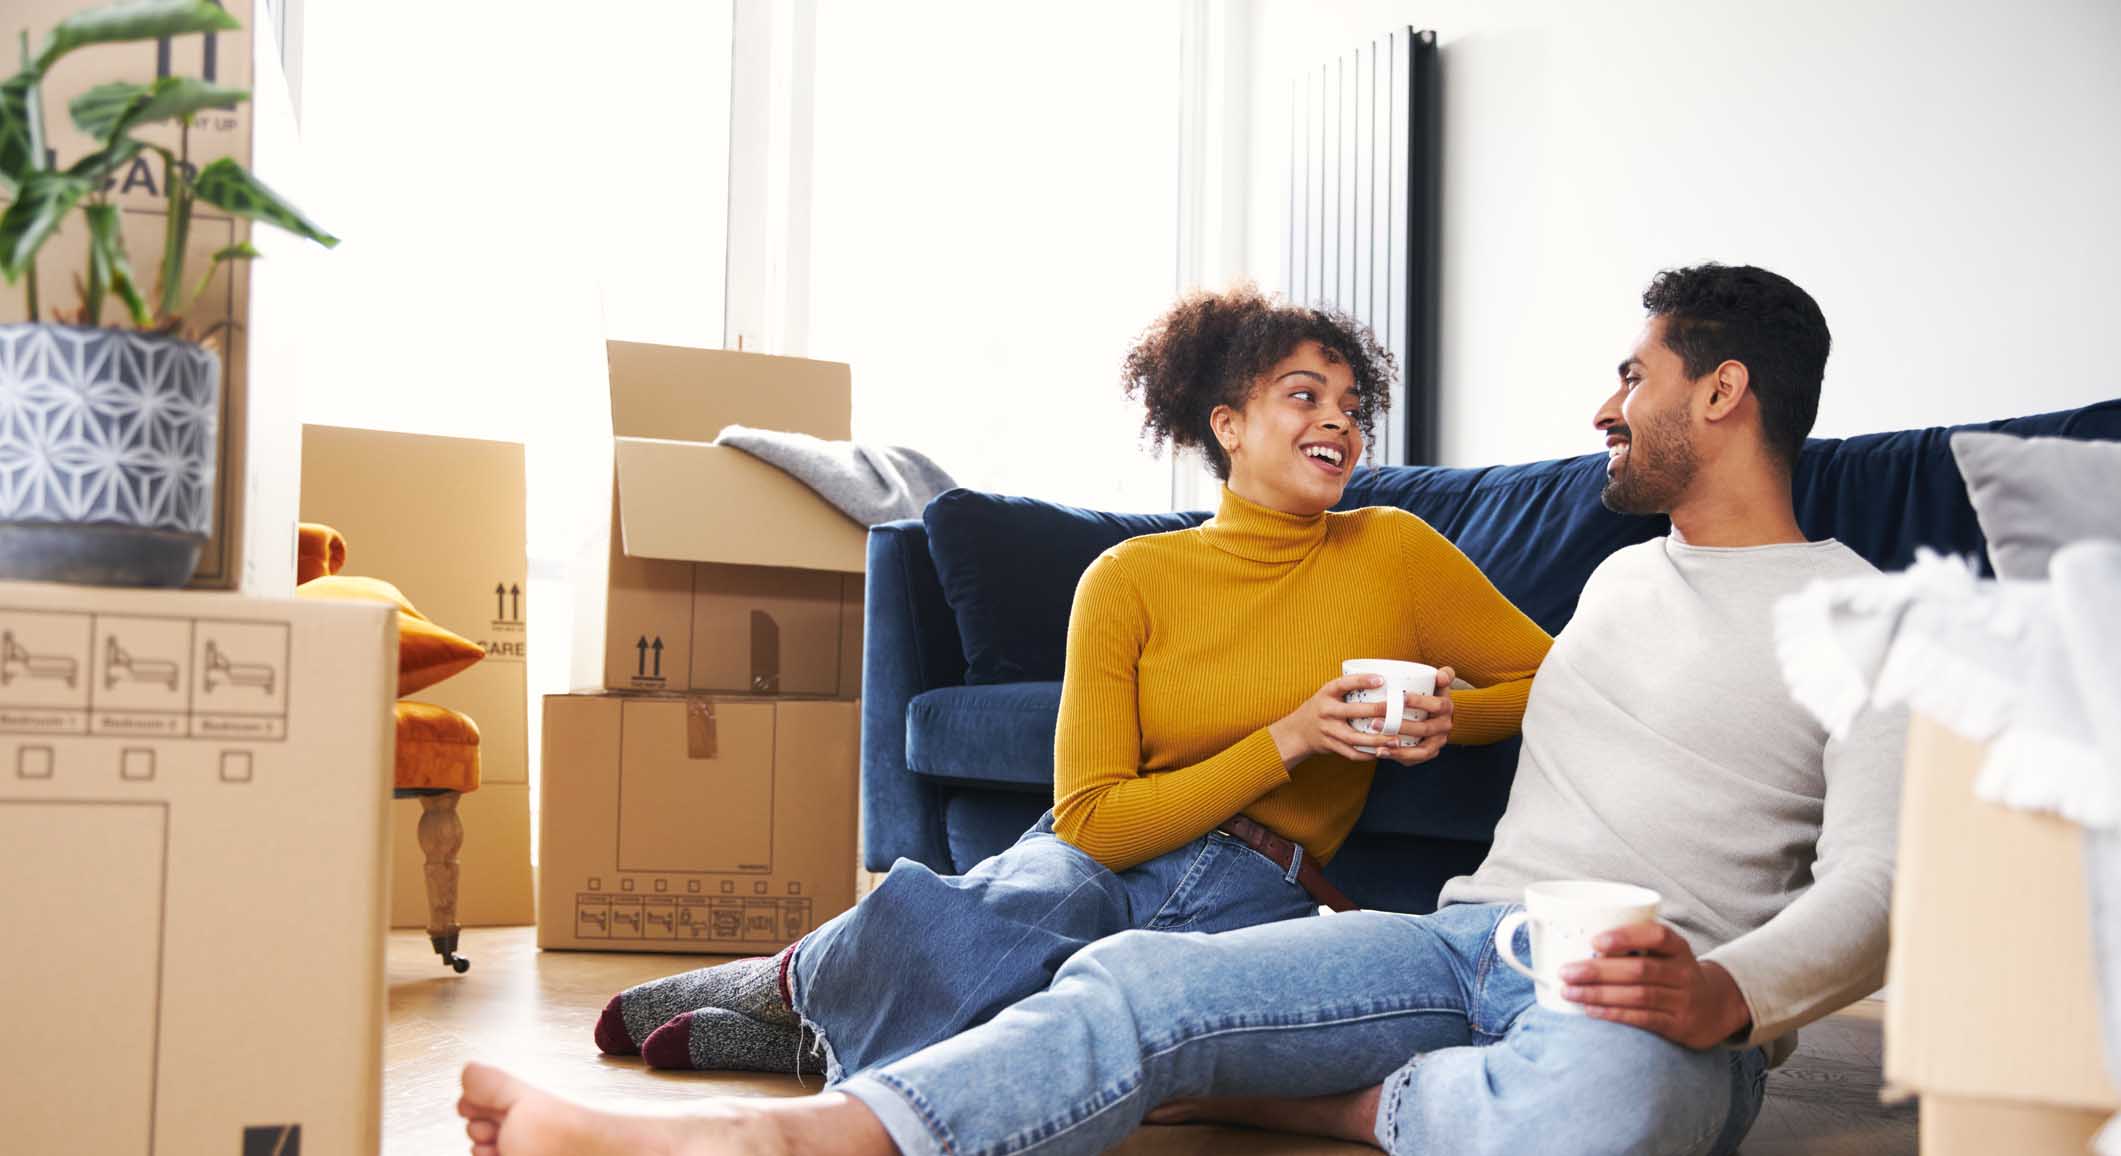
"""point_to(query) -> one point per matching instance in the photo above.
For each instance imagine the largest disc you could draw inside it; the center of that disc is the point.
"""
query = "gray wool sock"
(749, 987)
(717, 1040)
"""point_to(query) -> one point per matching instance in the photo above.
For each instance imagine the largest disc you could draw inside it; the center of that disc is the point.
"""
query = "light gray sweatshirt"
(1661, 748)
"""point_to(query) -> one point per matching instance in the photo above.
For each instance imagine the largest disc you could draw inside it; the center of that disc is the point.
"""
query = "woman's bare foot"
(507, 1117)
(1348, 1116)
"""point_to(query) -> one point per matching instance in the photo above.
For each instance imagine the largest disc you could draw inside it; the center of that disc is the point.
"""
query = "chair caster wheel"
(445, 945)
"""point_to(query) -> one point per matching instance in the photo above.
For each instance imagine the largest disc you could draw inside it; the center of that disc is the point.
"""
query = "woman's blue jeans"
(925, 956)
(1469, 1063)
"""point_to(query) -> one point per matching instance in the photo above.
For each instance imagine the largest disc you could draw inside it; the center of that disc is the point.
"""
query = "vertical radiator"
(1362, 215)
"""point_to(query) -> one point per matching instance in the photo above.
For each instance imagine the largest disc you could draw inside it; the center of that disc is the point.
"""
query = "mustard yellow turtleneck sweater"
(1183, 648)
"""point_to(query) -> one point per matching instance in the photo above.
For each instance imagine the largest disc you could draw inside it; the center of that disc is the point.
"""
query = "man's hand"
(1664, 989)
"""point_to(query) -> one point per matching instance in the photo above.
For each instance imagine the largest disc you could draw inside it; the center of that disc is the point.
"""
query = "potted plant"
(109, 408)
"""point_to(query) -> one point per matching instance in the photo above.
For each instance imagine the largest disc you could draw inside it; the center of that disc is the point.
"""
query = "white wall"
(1945, 178)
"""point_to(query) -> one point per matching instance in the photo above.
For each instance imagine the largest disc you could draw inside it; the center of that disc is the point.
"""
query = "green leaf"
(137, 20)
(18, 151)
(106, 237)
(97, 166)
(40, 204)
(224, 185)
(105, 111)
(100, 110)
(176, 231)
(240, 251)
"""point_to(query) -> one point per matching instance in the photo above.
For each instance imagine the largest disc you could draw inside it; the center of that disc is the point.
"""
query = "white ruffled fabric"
(2031, 668)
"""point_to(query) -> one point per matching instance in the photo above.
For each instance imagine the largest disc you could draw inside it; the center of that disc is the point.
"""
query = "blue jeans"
(1310, 1008)
(925, 956)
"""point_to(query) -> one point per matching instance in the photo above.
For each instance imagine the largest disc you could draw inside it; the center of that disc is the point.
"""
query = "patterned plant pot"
(107, 451)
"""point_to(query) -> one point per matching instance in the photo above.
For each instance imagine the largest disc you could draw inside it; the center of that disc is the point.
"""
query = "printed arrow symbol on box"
(515, 602)
(641, 671)
(659, 656)
(500, 602)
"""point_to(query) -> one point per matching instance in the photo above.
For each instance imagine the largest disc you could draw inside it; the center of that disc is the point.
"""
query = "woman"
(1188, 794)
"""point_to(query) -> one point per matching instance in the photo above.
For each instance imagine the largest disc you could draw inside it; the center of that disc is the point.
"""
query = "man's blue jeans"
(1469, 1063)
(925, 956)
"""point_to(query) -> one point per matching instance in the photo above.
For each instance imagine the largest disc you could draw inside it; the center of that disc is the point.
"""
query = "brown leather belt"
(1283, 852)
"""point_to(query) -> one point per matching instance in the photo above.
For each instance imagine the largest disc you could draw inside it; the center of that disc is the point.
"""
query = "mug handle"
(1395, 706)
(1506, 944)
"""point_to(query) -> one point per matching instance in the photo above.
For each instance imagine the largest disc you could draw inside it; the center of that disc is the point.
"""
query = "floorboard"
(532, 1012)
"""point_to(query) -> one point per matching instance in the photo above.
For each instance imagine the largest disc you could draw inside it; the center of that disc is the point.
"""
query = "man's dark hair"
(1717, 313)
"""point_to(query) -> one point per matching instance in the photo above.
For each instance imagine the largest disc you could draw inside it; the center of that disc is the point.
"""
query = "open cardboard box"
(442, 520)
(1992, 1015)
(253, 542)
(723, 574)
(714, 824)
(192, 813)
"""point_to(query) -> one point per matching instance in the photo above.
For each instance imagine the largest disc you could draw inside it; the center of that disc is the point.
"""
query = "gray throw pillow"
(2034, 496)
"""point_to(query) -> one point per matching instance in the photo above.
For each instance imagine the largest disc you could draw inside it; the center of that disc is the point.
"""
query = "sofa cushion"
(1536, 530)
(1883, 495)
(1457, 795)
(999, 736)
(985, 823)
(1009, 567)
(2034, 496)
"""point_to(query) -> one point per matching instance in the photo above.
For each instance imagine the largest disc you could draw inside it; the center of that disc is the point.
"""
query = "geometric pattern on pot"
(107, 426)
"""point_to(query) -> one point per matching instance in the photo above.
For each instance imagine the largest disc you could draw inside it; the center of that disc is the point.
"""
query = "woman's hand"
(1322, 725)
(1419, 742)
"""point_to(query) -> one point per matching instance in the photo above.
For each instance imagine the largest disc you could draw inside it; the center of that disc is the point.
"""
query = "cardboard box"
(721, 825)
(721, 573)
(442, 519)
(1955, 1126)
(252, 548)
(1993, 1014)
(192, 792)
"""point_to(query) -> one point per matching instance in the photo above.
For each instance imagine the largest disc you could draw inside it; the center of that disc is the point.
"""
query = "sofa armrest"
(909, 645)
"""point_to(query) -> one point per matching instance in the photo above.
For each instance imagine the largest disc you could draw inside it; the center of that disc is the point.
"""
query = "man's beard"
(1658, 467)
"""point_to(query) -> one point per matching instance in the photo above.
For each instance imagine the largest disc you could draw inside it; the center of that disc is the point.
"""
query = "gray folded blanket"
(869, 484)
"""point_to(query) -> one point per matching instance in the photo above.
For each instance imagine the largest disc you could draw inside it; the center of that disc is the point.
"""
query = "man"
(1660, 748)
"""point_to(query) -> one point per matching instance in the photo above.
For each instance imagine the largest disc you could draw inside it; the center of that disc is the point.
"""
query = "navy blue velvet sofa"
(968, 607)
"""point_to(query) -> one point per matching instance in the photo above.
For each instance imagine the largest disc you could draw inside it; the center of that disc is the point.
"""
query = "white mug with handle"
(1400, 677)
(1564, 917)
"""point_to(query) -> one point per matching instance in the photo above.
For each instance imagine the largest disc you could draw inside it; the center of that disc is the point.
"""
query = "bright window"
(994, 221)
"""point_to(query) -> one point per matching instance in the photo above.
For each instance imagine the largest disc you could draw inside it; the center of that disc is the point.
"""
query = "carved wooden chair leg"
(441, 836)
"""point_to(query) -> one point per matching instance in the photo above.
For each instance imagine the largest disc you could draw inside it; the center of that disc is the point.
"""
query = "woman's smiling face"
(1298, 437)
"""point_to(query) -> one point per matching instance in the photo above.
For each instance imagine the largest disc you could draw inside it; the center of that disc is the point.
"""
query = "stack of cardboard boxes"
(194, 783)
(701, 798)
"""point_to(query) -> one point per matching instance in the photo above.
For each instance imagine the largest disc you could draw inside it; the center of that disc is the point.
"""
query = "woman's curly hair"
(1211, 349)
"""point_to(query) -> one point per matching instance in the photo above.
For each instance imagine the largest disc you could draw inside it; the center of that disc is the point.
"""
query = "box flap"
(698, 503)
(681, 394)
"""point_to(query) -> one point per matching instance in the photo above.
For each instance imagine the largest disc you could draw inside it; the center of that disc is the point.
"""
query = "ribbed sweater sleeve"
(1827, 949)
(1103, 803)
(1467, 624)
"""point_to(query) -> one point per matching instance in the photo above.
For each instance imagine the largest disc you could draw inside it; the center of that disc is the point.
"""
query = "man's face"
(1648, 423)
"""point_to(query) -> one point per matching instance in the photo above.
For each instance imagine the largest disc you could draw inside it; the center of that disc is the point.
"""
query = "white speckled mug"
(1400, 678)
(1564, 918)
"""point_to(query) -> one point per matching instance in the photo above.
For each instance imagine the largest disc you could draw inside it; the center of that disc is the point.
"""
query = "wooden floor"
(532, 1011)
